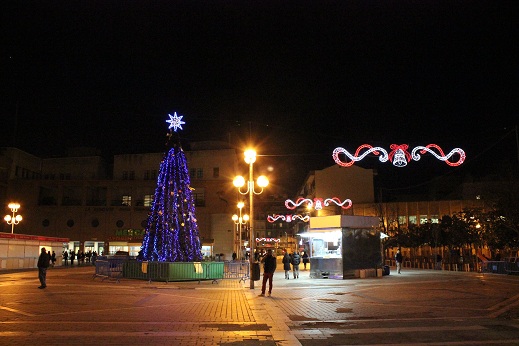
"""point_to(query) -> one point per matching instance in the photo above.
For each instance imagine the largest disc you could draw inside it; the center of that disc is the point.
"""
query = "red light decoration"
(318, 203)
(399, 154)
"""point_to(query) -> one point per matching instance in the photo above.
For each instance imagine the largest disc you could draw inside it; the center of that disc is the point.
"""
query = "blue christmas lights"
(172, 231)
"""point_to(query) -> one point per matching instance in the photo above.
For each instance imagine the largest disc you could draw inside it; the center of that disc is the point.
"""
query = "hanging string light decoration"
(399, 154)
(172, 233)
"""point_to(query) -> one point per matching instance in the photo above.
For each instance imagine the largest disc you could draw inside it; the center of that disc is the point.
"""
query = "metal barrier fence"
(174, 271)
(117, 268)
(237, 270)
(109, 268)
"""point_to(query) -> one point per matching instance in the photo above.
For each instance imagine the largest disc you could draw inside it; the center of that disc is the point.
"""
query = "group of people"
(81, 256)
(48, 259)
(269, 268)
(294, 260)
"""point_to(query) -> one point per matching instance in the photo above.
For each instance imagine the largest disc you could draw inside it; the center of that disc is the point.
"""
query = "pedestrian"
(269, 267)
(306, 260)
(65, 257)
(296, 260)
(72, 258)
(53, 258)
(94, 258)
(234, 256)
(398, 260)
(286, 265)
(43, 264)
(438, 262)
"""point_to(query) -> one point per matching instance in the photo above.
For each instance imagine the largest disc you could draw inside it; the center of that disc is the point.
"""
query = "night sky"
(298, 78)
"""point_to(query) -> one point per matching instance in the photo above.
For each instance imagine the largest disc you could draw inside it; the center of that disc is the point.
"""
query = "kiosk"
(344, 246)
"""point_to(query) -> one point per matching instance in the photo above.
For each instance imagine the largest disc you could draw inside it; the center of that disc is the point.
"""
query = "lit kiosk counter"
(344, 246)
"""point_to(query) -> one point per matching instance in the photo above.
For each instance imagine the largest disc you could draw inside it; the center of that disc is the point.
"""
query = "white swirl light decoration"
(289, 204)
(287, 218)
(305, 218)
(275, 240)
(442, 157)
(338, 202)
(354, 158)
(274, 218)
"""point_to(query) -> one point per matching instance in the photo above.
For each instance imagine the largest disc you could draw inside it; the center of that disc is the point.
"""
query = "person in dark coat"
(398, 260)
(296, 260)
(269, 267)
(286, 265)
(43, 264)
(306, 259)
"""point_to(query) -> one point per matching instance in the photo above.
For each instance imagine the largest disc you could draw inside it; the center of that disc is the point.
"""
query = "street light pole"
(239, 181)
(15, 219)
(239, 221)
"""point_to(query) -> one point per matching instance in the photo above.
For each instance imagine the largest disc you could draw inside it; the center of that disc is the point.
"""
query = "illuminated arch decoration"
(287, 218)
(318, 202)
(399, 155)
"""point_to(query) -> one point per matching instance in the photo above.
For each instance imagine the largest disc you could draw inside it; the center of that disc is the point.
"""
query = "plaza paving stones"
(418, 307)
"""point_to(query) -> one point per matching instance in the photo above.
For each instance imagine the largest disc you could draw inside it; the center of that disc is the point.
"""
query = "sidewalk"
(418, 307)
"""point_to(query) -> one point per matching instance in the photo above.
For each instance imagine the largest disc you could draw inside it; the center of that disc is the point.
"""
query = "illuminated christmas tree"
(172, 231)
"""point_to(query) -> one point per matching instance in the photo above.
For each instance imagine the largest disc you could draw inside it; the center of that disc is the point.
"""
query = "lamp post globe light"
(262, 182)
(14, 219)
(239, 221)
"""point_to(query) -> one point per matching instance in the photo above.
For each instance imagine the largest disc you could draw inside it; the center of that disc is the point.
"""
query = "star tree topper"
(175, 122)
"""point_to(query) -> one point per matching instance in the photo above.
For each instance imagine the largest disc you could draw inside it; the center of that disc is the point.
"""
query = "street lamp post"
(239, 221)
(239, 182)
(15, 219)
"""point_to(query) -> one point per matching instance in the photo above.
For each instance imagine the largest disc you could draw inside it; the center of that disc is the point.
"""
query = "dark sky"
(298, 77)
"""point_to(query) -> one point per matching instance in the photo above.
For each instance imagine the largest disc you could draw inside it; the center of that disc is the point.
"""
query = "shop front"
(340, 246)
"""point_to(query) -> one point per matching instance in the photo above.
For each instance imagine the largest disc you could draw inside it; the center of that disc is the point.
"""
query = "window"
(412, 220)
(125, 175)
(199, 173)
(126, 200)
(147, 175)
(192, 173)
(148, 200)
(402, 220)
(216, 172)
(131, 175)
(435, 219)
(199, 197)
(154, 174)
(423, 219)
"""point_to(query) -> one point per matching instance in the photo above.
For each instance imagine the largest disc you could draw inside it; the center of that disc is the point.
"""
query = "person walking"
(398, 260)
(72, 258)
(43, 264)
(306, 259)
(286, 265)
(53, 258)
(65, 257)
(269, 267)
(296, 260)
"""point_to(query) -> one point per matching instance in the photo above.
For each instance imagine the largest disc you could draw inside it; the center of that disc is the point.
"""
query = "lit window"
(148, 200)
(127, 201)
(402, 220)
(412, 220)
(423, 219)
